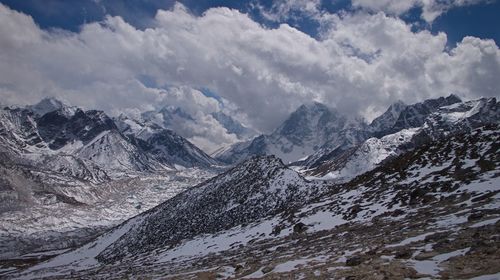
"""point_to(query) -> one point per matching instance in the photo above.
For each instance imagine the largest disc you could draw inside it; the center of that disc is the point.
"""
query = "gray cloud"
(362, 63)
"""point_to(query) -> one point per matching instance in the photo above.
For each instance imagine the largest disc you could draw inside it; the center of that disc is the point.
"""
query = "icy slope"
(365, 157)
(459, 117)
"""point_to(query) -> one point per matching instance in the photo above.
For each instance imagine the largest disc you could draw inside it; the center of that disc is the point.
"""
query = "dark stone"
(353, 261)
(436, 236)
(475, 216)
(403, 254)
(267, 269)
(397, 212)
(238, 267)
(299, 227)
(484, 196)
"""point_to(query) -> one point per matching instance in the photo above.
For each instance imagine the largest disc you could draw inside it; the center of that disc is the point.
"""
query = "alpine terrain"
(262, 139)
(69, 174)
(415, 194)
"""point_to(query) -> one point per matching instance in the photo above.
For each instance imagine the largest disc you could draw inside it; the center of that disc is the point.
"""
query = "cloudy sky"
(256, 60)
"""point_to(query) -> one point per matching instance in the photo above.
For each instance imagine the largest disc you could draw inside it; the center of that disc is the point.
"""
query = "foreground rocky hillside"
(431, 212)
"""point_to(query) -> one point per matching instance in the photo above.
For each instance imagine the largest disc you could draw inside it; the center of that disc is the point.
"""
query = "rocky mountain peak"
(47, 105)
(163, 144)
(414, 115)
(261, 163)
(308, 121)
(387, 120)
(59, 128)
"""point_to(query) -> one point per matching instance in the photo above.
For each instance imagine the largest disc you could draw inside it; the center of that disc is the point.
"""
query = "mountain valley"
(414, 194)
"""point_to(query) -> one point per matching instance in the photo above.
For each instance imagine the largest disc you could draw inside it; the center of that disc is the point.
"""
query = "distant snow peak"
(387, 120)
(74, 138)
(210, 130)
(310, 128)
(422, 122)
(47, 105)
(163, 144)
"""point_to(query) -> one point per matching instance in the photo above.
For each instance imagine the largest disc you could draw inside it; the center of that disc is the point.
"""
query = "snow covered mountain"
(416, 114)
(92, 136)
(48, 105)
(233, 126)
(310, 128)
(397, 117)
(388, 119)
(415, 203)
(163, 145)
(346, 164)
(445, 120)
(61, 165)
(168, 116)
(191, 126)
(315, 131)
(67, 149)
(427, 213)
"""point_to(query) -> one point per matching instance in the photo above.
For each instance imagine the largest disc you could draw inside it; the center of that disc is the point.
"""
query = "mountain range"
(114, 145)
(428, 213)
(61, 165)
(314, 130)
(412, 194)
